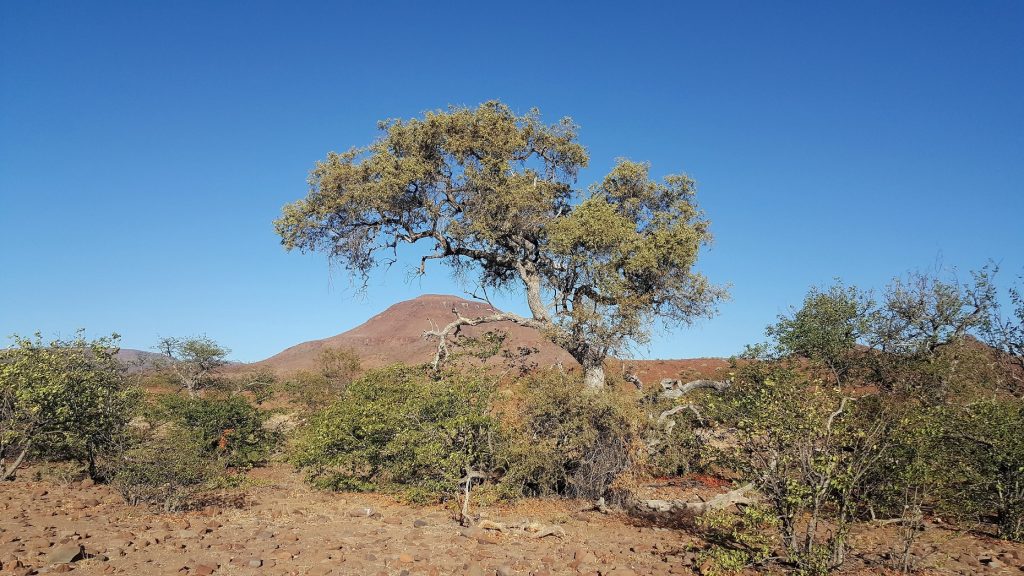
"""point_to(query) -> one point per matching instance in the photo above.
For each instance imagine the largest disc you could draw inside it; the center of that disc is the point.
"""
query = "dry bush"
(561, 438)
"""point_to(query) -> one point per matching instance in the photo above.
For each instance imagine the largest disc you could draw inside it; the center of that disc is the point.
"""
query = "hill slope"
(396, 335)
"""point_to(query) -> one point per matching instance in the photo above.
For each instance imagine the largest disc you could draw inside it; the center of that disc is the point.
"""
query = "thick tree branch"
(453, 328)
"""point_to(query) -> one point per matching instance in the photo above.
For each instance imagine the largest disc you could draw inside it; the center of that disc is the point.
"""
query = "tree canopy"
(193, 360)
(495, 195)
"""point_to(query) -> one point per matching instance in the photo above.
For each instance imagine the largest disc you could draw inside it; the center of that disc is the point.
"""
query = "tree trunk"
(593, 375)
(531, 279)
(592, 361)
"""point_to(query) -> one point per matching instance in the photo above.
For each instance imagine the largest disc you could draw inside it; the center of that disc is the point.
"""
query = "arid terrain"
(272, 522)
(278, 525)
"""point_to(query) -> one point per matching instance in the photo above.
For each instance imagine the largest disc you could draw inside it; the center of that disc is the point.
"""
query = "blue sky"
(145, 147)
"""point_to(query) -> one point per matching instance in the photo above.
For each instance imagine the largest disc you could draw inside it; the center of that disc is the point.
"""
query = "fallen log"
(676, 509)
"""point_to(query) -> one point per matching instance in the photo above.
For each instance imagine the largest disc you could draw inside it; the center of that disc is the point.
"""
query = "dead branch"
(738, 497)
(667, 414)
(675, 389)
(454, 326)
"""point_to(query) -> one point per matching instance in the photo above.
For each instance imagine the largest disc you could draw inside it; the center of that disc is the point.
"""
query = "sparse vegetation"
(336, 369)
(164, 470)
(855, 410)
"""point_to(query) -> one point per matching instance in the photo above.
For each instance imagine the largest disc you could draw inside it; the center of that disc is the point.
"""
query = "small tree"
(495, 195)
(809, 452)
(71, 397)
(827, 328)
(193, 360)
(336, 369)
(1006, 332)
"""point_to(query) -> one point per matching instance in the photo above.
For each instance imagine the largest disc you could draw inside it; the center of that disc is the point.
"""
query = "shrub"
(810, 453)
(670, 432)
(336, 369)
(735, 541)
(258, 384)
(564, 439)
(229, 429)
(165, 470)
(69, 399)
(977, 463)
(401, 428)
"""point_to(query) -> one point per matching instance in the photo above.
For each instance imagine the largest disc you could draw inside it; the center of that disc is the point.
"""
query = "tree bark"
(593, 375)
(531, 279)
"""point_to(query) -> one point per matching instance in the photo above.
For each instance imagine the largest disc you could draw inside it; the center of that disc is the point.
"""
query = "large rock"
(64, 554)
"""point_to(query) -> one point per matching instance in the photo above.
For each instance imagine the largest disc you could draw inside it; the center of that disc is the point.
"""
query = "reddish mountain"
(396, 335)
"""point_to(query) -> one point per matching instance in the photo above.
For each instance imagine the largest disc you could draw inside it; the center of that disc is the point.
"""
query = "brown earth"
(279, 526)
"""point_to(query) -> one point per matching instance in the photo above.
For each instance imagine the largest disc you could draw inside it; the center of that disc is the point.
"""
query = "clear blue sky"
(145, 147)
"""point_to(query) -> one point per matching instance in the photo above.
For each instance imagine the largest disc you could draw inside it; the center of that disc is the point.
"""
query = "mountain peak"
(396, 335)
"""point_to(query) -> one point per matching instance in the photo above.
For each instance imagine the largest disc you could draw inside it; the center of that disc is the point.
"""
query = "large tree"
(494, 194)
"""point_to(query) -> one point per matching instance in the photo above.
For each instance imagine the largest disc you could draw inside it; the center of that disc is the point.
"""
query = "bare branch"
(453, 328)
(673, 389)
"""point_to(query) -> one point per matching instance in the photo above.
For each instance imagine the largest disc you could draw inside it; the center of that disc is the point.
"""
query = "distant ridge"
(138, 360)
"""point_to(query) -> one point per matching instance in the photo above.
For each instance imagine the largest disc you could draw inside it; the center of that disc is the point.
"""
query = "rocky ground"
(276, 525)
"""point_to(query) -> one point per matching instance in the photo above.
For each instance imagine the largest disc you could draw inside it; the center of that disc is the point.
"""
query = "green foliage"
(563, 439)
(977, 463)
(259, 384)
(164, 470)
(735, 541)
(401, 428)
(228, 429)
(193, 360)
(494, 193)
(923, 312)
(65, 399)
(809, 452)
(1006, 332)
(826, 328)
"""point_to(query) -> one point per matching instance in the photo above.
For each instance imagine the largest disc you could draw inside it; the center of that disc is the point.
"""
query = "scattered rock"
(363, 512)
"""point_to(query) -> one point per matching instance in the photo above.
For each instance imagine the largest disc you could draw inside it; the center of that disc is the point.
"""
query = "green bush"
(163, 471)
(228, 429)
(401, 428)
(809, 452)
(67, 399)
(977, 463)
(564, 439)
(735, 541)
